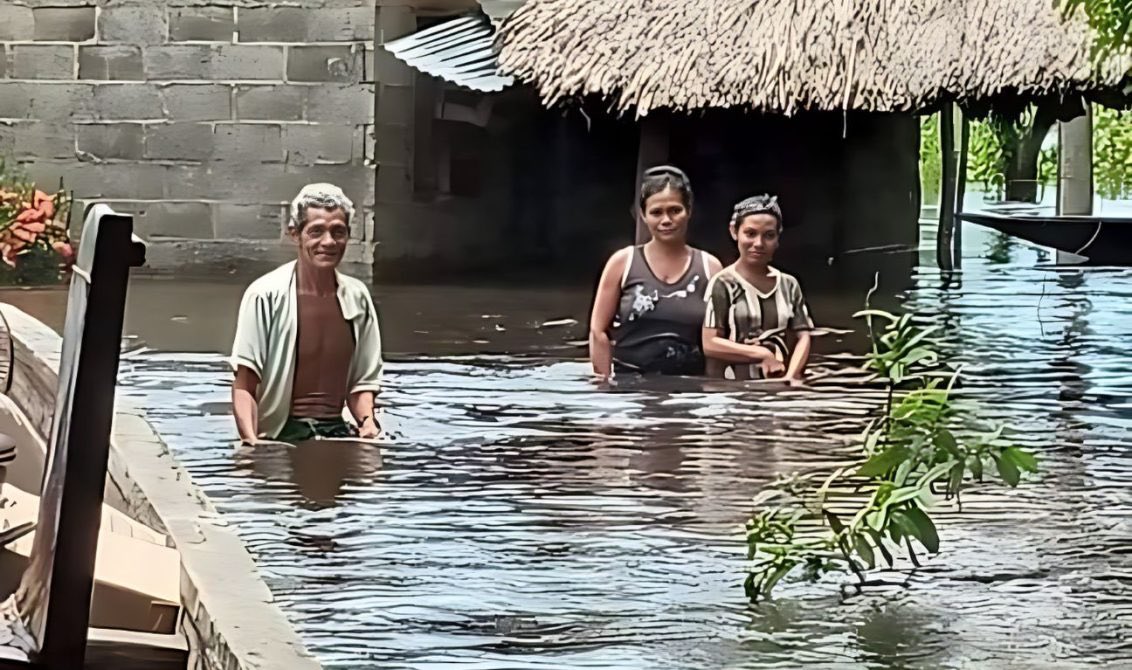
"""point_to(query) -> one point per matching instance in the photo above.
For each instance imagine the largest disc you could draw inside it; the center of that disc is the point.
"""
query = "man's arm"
(248, 358)
(244, 404)
(369, 363)
(361, 406)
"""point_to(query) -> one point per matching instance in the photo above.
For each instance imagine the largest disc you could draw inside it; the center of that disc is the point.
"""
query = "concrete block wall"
(202, 117)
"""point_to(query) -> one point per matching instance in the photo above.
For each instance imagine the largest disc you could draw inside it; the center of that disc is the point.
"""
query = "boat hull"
(1102, 240)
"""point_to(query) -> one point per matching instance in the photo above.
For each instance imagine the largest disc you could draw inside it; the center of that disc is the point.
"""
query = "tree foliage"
(876, 507)
(1110, 19)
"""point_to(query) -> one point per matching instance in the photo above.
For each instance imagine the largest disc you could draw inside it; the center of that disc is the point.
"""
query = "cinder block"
(186, 182)
(43, 61)
(116, 180)
(121, 63)
(227, 62)
(274, 24)
(248, 222)
(36, 141)
(343, 105)
(252, 144)
(325, 63)
(64, 24)
(16, 22)
(206, 24)
(191, 220)
(179, 141)
(308, 144)
(305, 24)
(197, 102)
(112, 140)
(229, 181)
(269, 103)
(133, 102)
(143, 23)
(341, 24)
(52, 101)
(236, 62)
(178, 62)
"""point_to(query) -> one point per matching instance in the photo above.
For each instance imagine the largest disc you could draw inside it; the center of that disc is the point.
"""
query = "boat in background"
(1101, 240)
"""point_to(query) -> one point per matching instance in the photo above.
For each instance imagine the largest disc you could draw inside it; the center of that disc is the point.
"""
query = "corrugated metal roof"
(459, 51)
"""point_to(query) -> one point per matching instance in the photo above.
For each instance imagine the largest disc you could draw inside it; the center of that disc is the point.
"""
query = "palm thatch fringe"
(788, 55)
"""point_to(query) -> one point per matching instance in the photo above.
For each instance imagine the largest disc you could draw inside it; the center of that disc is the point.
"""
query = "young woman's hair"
(656, 179)
(758, 204)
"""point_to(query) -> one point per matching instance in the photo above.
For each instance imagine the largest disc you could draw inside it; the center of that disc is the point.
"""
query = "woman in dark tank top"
(649, 306)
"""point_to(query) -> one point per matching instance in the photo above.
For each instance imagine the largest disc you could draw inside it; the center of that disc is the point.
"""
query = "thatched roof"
(788, 55)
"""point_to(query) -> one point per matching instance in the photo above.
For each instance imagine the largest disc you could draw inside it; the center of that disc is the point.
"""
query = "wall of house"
(202, 117)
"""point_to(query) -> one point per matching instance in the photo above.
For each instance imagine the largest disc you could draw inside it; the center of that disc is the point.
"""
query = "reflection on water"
(522, 518)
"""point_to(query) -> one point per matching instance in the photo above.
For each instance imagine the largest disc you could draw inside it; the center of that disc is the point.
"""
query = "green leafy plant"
(1111, 21)
(874, 507)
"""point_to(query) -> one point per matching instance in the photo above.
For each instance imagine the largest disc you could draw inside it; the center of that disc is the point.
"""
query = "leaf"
(881, 463)
(925, 529)
(879, 540)
(834, 521)
(1023, 459)
(1007, 470)
(902, 495)
(778, 574)
(919, 337)
(955, 480)
(976, 465)
(946, 441)
(918, 355)
(877, 313)
(864, 550)
(904, 524)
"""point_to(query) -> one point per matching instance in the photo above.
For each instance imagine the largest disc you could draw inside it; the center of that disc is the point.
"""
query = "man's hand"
(369, 430)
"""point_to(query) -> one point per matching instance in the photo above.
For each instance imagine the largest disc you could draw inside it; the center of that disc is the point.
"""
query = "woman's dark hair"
(656, 179)
(759, 204)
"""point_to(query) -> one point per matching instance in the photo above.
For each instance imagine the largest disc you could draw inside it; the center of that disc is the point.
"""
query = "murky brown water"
(522, 518)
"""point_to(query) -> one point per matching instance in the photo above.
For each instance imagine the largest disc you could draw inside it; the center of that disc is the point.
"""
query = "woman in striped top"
(757, 323)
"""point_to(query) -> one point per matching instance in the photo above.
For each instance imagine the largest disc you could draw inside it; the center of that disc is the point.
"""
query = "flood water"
(520, 517)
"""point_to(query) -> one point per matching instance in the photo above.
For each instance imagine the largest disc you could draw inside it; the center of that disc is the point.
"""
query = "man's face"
(322, 241)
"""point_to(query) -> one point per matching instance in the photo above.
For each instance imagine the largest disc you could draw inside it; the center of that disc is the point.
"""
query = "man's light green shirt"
(266, 334)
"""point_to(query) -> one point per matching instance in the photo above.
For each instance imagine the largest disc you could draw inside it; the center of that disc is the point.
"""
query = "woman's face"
(666, 215)
(757, 237)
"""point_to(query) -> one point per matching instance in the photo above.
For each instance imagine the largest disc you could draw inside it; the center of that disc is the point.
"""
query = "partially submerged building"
(529, 120)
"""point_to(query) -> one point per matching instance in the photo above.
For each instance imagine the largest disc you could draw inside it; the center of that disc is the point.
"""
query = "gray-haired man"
(307, 338)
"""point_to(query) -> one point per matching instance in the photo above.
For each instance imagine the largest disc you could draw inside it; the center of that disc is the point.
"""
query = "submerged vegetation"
(918, 450)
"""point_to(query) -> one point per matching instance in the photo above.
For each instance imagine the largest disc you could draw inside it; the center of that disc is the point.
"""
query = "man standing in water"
(307, 340)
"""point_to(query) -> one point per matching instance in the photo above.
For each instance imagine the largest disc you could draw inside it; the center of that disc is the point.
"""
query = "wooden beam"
(961, 184)
(944, 241)
(653, 150)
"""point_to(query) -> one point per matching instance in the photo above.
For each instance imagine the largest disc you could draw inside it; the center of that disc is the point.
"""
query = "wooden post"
(653, 150)
(944, 239)
(56, 588)
(1075, 166)
(961, 184)
(1075, 171)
